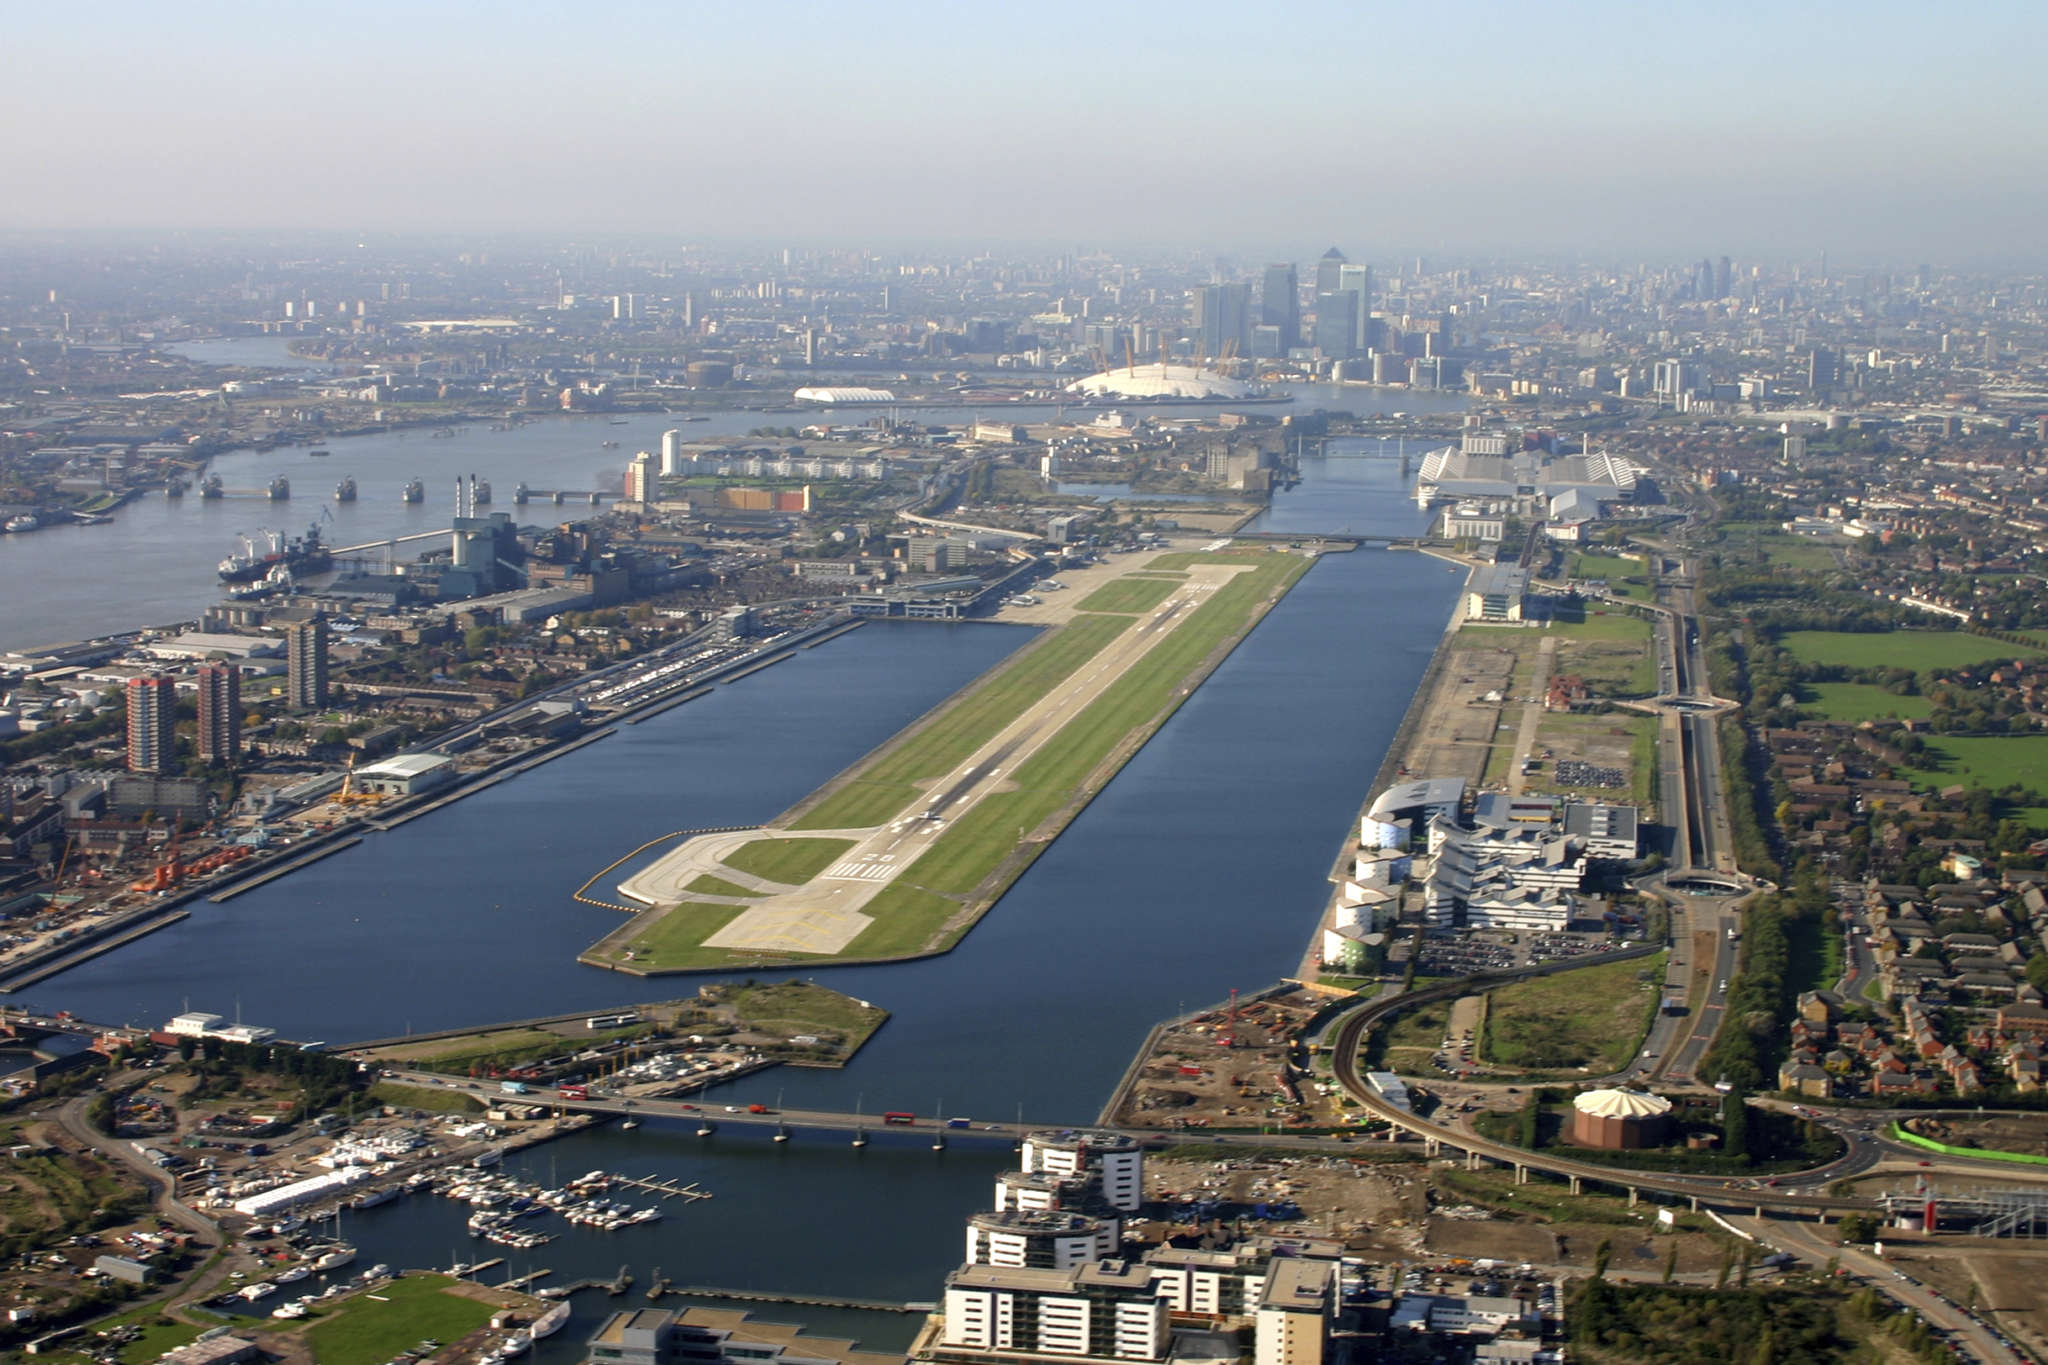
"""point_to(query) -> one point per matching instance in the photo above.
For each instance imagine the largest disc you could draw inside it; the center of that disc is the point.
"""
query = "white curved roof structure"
(1622, 1104)
(832, 397)
(1163, 381)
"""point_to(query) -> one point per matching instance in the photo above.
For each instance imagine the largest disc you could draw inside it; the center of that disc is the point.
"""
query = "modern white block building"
(1112, 1162)
(1049, 1240)
(1104, 1310)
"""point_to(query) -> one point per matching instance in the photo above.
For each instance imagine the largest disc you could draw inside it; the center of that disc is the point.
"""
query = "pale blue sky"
(1880, 130)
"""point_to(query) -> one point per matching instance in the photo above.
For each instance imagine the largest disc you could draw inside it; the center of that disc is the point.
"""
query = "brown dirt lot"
(1458, 730)
(2026, 1133)
(1194, 1078)
(1376, 1205)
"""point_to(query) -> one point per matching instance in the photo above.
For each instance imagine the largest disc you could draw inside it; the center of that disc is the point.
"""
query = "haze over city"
(1883, 132)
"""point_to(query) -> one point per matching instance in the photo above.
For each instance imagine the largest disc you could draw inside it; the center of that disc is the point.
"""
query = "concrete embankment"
(849, 626)
(303, 860)
(1424, 697)
(86, 951)
(651, 712)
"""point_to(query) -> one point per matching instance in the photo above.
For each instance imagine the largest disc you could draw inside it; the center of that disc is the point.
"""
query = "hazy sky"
(1879, 130)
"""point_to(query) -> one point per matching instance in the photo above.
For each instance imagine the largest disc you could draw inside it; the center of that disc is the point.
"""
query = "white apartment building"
(1112, 1162)
(1104, 1310)
(1040, 1240)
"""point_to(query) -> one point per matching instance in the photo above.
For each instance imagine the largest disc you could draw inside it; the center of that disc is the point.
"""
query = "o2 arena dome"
(1160, 380)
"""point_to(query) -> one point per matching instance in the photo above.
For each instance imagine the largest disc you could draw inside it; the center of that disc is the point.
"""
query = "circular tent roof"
(1622, 1104)
(1163, 381)
(833, 396)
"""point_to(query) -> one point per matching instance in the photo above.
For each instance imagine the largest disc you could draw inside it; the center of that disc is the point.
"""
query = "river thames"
(155, 563)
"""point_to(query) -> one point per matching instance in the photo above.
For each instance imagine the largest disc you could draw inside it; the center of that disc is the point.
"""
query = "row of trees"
(1675, 1325)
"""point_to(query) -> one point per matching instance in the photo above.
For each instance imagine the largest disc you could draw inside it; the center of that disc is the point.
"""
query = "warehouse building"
(407, 774)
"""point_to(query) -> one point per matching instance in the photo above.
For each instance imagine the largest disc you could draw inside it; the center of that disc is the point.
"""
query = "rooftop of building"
(1098, 1139)
(1036, 1220)
(1160, 380)
(1418, 794)
(1299, 1285)
(405, 765)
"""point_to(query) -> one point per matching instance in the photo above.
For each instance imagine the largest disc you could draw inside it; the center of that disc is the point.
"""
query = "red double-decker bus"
(899, 1118)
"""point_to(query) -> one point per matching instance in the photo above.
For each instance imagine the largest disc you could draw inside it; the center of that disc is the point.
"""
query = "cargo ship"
(415, 491)
(345, 491)
(300, 554)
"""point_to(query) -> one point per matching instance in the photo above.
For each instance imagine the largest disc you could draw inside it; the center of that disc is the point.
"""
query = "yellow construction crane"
(348, 795)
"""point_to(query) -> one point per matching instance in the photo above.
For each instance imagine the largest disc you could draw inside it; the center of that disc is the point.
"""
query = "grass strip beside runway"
(708, 885)
(789, 861)
(980, 843)
(1130, 595)
(879, 791)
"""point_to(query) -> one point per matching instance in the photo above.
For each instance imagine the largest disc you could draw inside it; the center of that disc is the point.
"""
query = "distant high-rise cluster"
(1223, 318)
(1280, 309)
(1343, 306)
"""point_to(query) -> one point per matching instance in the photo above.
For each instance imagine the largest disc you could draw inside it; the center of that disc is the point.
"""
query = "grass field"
(1130, 595)
(1592, 1019)
(1604, 627)
(365, 1331)
(1753, 540)
(1184, 559)
(1987, 761)
(880, 791)
(672, 939)
(1854, 703)
(790, 861)
(795, 1007)
(1610, 650)
(159, 1335)
(1616, 569)
(428, 1097)
(504, 1047)
(708, 885)
(906, 920)
(1919, 650)
(1413, 1037)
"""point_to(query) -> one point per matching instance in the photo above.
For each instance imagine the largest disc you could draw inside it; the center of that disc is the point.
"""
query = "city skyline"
(1575, 129)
